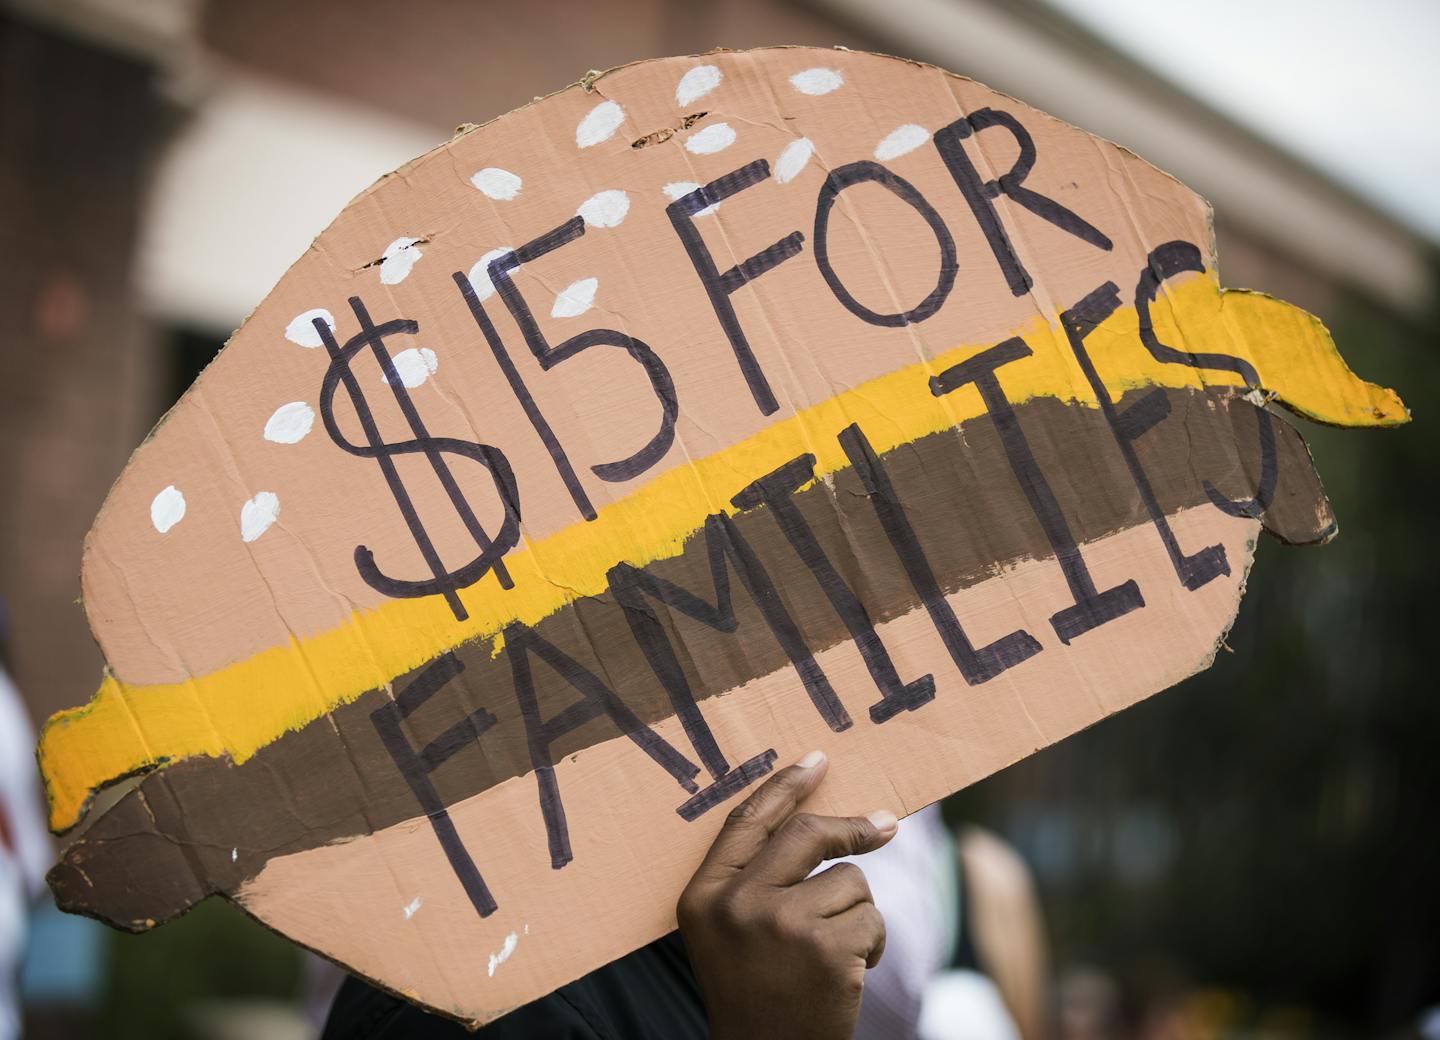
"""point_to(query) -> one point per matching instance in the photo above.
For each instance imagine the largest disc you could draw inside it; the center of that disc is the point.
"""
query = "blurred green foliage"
(215, 952)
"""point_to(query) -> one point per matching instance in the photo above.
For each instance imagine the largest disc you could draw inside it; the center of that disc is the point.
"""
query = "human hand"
(779, 953)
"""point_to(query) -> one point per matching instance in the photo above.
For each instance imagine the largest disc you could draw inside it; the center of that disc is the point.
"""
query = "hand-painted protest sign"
(705, 412)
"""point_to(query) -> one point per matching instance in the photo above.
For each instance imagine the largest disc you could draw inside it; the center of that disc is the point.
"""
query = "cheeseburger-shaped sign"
(708, 411)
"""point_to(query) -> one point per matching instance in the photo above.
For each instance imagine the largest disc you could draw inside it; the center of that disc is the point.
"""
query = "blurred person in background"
(1090, 1005)
(24, 844)
(965, 952)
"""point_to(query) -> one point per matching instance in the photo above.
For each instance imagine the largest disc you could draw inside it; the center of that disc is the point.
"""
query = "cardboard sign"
(708, 411)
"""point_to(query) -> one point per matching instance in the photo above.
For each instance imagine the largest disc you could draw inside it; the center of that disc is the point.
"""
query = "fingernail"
(811, 760)
(883, 820)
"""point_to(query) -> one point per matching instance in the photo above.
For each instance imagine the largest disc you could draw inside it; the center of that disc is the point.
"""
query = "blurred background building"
(1255, 853)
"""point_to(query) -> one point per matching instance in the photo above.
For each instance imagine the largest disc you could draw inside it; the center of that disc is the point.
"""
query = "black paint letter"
(549, 356)
(843, 177)
(981, 194)
(1092, 608)
(1166, 261)
(977, 666)
(724, 546)
(596, 699)
(722, 285)
(416, 766)
(1195, 569)
(443, 581)
(775, 490)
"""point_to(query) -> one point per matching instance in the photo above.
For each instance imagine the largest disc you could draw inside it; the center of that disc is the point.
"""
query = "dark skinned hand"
(780, 954)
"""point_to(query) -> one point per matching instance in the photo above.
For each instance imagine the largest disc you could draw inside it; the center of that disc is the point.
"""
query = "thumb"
(749, 826)
(805, 840)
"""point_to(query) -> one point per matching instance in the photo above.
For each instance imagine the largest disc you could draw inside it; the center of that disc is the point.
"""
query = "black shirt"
(648, 995)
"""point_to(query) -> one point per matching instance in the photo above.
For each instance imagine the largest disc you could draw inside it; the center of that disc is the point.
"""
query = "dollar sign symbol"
(492, 550)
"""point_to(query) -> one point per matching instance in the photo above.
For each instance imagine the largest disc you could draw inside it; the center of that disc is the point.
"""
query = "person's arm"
(1008, 926)
(779, 954)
